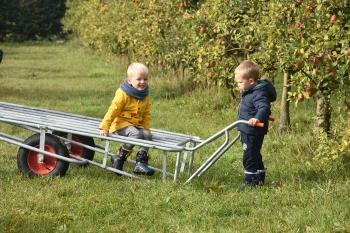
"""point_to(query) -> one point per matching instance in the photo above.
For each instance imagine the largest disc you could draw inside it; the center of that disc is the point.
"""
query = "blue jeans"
(133, 132)
(252, 159)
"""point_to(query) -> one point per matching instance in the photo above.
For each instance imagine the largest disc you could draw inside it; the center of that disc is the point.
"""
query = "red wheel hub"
(75, 149)
(41, 168)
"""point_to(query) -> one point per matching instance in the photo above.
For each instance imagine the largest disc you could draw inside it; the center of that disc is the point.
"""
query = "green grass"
(300, 195)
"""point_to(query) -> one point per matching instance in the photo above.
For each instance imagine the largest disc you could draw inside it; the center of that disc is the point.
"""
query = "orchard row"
(307, 38)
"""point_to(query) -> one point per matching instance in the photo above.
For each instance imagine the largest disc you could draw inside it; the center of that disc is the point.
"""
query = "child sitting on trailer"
(129, 115)
(256, 96)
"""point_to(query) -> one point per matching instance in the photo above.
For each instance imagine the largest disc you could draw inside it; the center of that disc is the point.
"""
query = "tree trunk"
(285, 117)
(323, 111)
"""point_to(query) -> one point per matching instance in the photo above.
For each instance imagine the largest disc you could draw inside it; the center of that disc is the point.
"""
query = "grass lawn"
(300, 195)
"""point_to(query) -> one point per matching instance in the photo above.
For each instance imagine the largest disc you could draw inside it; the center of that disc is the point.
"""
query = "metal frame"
(46, 121)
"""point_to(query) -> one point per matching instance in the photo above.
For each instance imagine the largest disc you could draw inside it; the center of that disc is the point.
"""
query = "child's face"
(244, 84)
(139, 81)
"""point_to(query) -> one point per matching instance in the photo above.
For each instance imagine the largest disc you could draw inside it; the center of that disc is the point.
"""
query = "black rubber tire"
(27, 160)
(78, 150)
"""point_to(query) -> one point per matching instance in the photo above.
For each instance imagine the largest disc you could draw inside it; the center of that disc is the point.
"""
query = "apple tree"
(158, 33)
(312, 36)
(220, 38)
(310, 43)
(279, 35)
(322, 51)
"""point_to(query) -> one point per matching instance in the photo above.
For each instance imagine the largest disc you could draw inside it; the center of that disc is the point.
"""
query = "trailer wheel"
(79, 151)
(27, 160)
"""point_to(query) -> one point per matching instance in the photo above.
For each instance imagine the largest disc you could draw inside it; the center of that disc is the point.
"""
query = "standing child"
(256, 96)
(129, 115)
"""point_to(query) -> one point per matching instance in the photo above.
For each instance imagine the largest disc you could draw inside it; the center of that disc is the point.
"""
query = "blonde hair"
(137, 68)
(248, 69)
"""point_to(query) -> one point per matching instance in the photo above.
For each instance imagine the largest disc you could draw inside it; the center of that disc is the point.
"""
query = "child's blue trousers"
(252, 159)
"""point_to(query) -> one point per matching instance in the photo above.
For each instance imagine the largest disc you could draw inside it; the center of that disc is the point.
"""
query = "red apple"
(308, 8)
(346, 52)
(307, 86)
(207, 64)
(300, 97)
(297, 65)
(224, 42)
(246, 42)
(102, 5)
(297, 25)
(308, 93)
(334, 18)
(182, 4)
(314, 71)
(345, 106)
(212, 64)
(333, 73)
(202, 30)
(315, 60)
(160, 62)
(298, 2)
(150, 30)
(210, 75)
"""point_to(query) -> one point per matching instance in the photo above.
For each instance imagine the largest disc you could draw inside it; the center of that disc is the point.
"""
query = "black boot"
(141, 166)
(118, 161)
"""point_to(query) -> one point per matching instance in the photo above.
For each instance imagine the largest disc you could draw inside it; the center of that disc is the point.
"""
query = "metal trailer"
(62, 138)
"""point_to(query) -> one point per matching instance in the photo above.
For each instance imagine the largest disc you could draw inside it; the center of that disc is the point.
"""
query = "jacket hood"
(266, 85)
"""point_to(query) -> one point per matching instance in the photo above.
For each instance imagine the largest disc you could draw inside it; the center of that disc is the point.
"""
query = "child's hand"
(103, 132)
(253, 121)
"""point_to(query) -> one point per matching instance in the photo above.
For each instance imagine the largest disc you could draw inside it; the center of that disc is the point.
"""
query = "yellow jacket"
(127, 111)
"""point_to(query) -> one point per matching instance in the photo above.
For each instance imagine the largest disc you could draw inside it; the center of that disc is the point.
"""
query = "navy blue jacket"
(255, 103)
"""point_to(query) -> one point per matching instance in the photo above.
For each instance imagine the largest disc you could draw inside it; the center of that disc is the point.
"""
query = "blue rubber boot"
(119, 159)
(141, 166)
(261, 177)
(251, 178)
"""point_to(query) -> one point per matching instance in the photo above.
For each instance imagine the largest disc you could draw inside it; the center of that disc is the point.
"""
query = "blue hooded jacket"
(255, 103)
